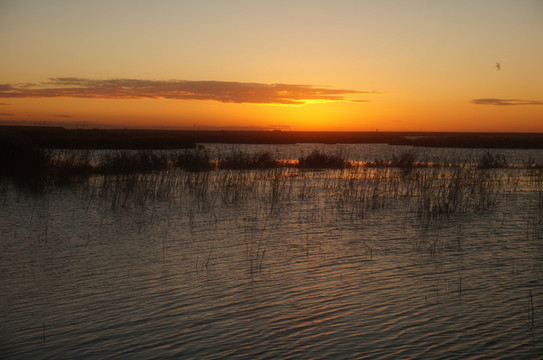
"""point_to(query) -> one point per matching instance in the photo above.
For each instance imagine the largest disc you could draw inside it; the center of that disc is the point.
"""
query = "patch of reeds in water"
(239, 160)
(192, 160)
(321, 160)
(134, 177)
(406, 160)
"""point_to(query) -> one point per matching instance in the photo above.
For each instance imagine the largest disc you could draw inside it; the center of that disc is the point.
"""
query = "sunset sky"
(391, 65)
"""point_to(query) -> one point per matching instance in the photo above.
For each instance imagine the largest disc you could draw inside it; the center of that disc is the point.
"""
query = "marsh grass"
(490, 160)
(27, 163)
(461, 190)
(127, 163)
(535, 223)
(71, 167)
(405, 160)
(128, 178)
(531, 317)
(239, 160)
(192, 160)
(321, 160)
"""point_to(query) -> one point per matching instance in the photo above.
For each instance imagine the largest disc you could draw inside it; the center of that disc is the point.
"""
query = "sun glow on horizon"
(391, 65)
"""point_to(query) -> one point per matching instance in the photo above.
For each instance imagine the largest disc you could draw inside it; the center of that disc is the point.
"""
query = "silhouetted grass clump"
(533, 164)
(71, 167)
(321, 160)
(126, 162)
(197, 160)
(238, 160)
(406, 160)
(490, 161)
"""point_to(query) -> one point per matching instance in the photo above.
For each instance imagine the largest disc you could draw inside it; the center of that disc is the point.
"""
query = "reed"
(71, 167)
(492, 161)
(124, 162)
(239, 160)
(28, 164)
(129, 178)
(406, 160)
(532, 311)
(209, 256)
(192, 160)
(321, 160)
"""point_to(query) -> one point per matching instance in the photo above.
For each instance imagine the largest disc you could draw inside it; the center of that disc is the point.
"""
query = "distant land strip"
(63, 138)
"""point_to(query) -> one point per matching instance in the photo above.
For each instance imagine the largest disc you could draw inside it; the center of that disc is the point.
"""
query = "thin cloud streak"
(5, 114)
(222, 91)
(4, 104)
(505, 102)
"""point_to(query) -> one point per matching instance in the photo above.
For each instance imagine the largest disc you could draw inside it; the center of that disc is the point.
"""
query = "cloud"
(64, 116)
(222, 91)
(5, 114)
(4, 104)
(505, 102)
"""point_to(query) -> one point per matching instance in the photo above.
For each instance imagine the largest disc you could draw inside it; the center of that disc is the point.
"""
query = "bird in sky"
(498, 67)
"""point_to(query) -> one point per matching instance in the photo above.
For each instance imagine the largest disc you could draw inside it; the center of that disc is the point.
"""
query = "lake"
(423, 262)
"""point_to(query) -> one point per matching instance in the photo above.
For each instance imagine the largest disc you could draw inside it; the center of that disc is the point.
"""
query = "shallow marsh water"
(280, 263)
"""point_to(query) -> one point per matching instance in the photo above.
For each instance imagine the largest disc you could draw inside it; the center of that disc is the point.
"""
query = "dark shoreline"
(62, 138)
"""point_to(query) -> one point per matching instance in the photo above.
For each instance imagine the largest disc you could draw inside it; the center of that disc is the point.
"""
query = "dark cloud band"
(505, 102)
(222, 91)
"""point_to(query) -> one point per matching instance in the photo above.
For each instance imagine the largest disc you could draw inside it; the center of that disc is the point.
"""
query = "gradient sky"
(407, 65)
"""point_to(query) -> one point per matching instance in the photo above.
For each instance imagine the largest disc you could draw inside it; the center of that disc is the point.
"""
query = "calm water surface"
(271, 264)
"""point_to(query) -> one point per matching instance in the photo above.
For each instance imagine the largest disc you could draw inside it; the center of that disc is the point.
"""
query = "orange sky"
(301, 65)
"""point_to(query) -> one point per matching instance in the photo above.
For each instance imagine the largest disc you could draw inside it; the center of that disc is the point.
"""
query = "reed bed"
(428, 192)
(27, 161)
(203, 193)
(127, 178)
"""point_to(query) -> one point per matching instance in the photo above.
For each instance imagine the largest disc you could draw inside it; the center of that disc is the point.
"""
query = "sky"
(337, 65)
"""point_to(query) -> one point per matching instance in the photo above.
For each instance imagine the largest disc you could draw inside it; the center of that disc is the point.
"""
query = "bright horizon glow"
(387, 65)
